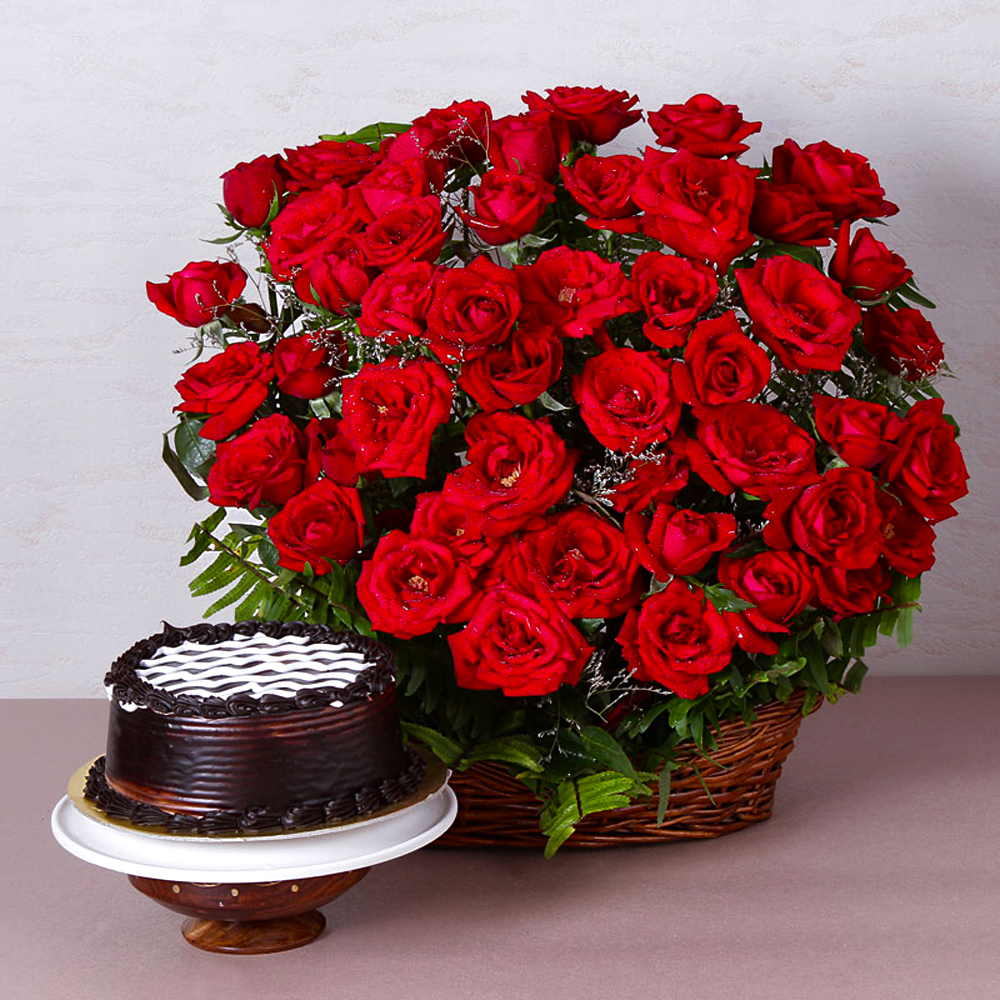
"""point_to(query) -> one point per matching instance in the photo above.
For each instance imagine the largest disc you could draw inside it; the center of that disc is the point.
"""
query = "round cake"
(252, 727)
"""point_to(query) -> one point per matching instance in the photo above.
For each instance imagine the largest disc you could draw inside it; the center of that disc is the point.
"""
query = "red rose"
(837, 520)
(395, 308)
(673, 292)
(652, 480)
(843, 183)
(529, 143)
(852, 591)
(779, 585)
(909, 539)
(515, 644)
(721, 365)
(927, 471)
(677, 639)
(308, 226)
(627, 399)
(866, 266)
(391, 410)
(472, 308)
(412, 585)
(394, 182)
(514, 374)
(903, 342)
(200, 292)
(788, 213)
(515, 470)
(572, 291)
(678, 542)
(229, 386)
(697, 206)
(602, 186)
(507, 205)
(322, 524)
(755, 448)
(862, 434)
(703, 125)
(460, 528)
(594, 114)
(249, 190)
(799, 313)
(328, 451)
(458, 133)
(335, 278)
(264, 465)
(311, 168)
(303, 367)
(579, 561)
(409, 231)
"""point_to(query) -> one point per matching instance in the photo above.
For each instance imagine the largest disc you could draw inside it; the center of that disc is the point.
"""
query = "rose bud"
(311, 168)
(395, 307)
(328, 451)
(394, 182)
(865, 266)
(594, 114)
(460, 528)
(529, 143)
(336, 278)
(673, 292)
(515, 373)
(602, 186)
(704, 126)
(848, 592)
(507, 206)
(456, 134)
(653, 480)
(779, 585)
(788, 213)
(303, 367)
(198, 293)
(411, 231)
(249, 190)
(678, 542)
(903, 342)
(909, 539)
(322, 524)
(861, 433)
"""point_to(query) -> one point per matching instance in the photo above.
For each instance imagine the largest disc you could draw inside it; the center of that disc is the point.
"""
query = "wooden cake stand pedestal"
(255, 894)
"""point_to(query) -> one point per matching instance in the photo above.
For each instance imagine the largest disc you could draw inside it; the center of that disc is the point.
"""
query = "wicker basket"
(495, 810)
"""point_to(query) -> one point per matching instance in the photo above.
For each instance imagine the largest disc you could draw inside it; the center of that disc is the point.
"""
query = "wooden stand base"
(251, 918)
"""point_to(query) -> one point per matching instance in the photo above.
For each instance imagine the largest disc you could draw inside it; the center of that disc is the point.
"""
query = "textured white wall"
(119, 118)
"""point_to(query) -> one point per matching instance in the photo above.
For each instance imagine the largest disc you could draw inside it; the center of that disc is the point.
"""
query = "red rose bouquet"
(608, 448)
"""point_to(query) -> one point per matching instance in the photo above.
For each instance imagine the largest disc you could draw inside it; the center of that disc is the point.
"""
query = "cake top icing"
(250, 667)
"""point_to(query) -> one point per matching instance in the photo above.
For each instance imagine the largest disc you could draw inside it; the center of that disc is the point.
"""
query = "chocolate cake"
(256, 726)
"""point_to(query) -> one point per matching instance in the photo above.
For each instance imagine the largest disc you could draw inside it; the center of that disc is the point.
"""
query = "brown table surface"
(878, 877)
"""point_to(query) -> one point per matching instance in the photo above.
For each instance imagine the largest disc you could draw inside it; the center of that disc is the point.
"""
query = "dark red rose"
(412, 585)
(851, 591)
(837, 520)
(229, 386)
(393, 182)
(514, 374)
(788, 213)
(865, 266)
(755, 448)
(779, 585)
(264, 465)
(310, 225)
(529, 143)
(673, 292)
(328, 451)
(337, 277)
(602, 186)
(519, 646)
(594, 114)
(909, 539)
(627, 399)
(516, 469)
(862, 434)
(303, 367)
(721, 365)
(652, 480)
(843, 183)
(507, 205)
(391, 410)
(322, 524)
(677, 639)
(697, 206)
(903, 342)
(409, 231)
(460, 528)
(200, 292)
(572, 291)
(472, 308)
(678, 542)
(458, 133)
(579, 561)
(703, 125)
(801, 314)
(927, 471)
(311, 168)
(249, 190)
(395, 308)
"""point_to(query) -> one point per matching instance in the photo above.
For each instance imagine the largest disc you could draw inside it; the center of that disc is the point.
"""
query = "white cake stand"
(256, 894)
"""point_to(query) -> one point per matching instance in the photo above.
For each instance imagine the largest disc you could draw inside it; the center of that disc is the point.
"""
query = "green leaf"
(201, 535)
(268, 555)
(573, 799)
(371, 135)
(245, 583)
(607, 750)
(647, 718)
(852, 681)
(909, 291)
(174, 464)
(196, 453)
(511, 749)
(808, 255)
(250, 604)
(663, 791)
(725, 600)
(552, 404)
(446, 749)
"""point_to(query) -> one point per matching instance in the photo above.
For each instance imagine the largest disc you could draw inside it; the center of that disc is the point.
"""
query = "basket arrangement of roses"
(608, 448)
